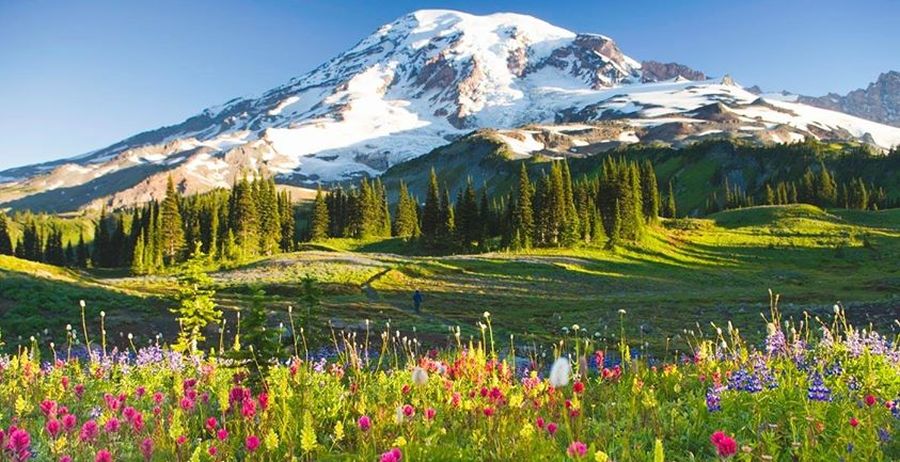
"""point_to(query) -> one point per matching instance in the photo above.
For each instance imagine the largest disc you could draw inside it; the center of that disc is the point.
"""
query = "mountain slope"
(418, 83)
(880, 101)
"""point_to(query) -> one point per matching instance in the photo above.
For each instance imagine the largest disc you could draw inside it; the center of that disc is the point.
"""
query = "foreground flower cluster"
(824, 393)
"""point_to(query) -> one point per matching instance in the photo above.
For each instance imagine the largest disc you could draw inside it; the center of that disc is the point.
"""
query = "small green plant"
(259, 347)
(196, 308)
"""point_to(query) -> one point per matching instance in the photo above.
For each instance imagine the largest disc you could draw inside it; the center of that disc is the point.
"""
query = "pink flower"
(488, 411)
(578, 388)
(577, 449)
(158, 397)
(211, 424)
(187, 404)
(140, 391)
(870, 400)
(89, 431)
(112, 425)
(539, 423)
(137, 422)
(212, 451)
(48, 408)
(222, 434)
(394, 455)
(181, 440)
(365, 423)
(408, 410)
(147, 448)
(248, 409)
(725, 445)
(854, 422)
(103, 456)
(129, 412)
(53, 427)
(65, 458)
(551, 428)
(430, 413)
(252, 443)
(19, 440)
(263, 400)
(79, 391)
(69, 421)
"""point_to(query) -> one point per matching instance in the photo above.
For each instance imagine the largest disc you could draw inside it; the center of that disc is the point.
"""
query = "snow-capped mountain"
(415, 84)
(880, 101)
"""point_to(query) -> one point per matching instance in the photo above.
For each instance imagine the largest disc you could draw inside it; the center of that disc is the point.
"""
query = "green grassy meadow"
(685, 274)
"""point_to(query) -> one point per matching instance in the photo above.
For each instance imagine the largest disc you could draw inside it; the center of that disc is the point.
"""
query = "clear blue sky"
(79, 75)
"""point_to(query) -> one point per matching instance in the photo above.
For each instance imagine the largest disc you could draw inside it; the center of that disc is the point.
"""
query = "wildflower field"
(815, 390)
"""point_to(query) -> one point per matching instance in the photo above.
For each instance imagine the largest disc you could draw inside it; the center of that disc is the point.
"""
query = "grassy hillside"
(35, 297)
(686, 271)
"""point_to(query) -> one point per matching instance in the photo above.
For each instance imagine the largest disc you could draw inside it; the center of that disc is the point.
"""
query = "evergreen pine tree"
(406, 220)
(172, 237)
(319, 223)
(196, 308)
(649, 192)
(671, 209)
(137, 259)
(432, 212)
(5, 241)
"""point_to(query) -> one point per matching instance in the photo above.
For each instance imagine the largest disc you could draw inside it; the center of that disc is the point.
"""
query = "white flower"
(487, 314)
(68, 327)
(622, 311)
(575, 327)
(837, 309)
(81, 302)
(771, 328)
(718, 330)
(559, 372)
(419, 376)
(130, 336)
(398, 415)
(290, 309)
(103, 314)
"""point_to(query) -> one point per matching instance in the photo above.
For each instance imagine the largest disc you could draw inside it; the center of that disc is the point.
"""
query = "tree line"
(553, 211)
(819, 187)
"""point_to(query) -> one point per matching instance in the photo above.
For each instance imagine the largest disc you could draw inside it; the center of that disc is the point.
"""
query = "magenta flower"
(222, 434)
(577, 449)
(394, 455)
(79, 391)
(48, 408)
(408, 410)
(212, 451)
(69, 422)
(158, 397)
(551, 428)
(252, 443)
(181, 440)
(112, 425)
(65, 458)
(147, 448)
(211, 424)
(89, 431)
(187, 404)
(263, 401)
(103, 456)
(53, 427)
(430, 413)
(365, 423)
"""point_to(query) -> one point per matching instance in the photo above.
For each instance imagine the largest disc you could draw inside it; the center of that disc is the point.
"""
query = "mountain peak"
(879, 101)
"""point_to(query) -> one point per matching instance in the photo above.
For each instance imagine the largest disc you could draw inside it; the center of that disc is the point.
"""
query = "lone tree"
(196, 308)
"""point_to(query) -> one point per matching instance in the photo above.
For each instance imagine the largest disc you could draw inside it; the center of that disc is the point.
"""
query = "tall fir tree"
(6, 247)
(432, 212)
(671, 208)
(649, 192)
(406, 220)
(523, 216)
(172, 237)
(319, 222)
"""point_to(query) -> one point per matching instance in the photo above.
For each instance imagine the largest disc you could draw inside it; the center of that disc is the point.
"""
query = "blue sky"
(78, 75)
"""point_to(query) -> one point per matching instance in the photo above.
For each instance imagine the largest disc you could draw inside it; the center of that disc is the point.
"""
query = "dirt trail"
(373, 295)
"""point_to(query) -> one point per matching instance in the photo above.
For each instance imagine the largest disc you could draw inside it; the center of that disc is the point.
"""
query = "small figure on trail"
(417, 300)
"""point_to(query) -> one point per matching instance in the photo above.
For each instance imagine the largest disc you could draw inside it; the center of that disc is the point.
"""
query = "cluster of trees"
(43, 243)
(555, 211)
(249, 220)
(819, 188)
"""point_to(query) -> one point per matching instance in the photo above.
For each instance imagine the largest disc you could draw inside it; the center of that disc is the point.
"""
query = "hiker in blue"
(417, 300)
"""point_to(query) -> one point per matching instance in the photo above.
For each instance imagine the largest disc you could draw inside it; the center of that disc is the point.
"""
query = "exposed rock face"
(880, 101)
(655, 71)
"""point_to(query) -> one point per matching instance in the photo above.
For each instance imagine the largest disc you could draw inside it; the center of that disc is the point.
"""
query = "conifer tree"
(137, 260)
(196, 308)
(288, 223)
(770, 195)
(81, 252)
(446, 232)
(319, 223)
(468, 220)
(432, 212)
(244, 219)
(649, 192)
(523, 217)
(172, 237)
(671, 208)
(406, 220)
(5, 241)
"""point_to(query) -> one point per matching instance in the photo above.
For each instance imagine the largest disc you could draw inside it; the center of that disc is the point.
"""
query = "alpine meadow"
(468, 237)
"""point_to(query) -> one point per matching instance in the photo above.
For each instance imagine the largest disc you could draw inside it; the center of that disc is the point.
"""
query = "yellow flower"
(601, 456)
(338, 431)
(308, 433)
(271, 439)
(400, 441)
(527, 431)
